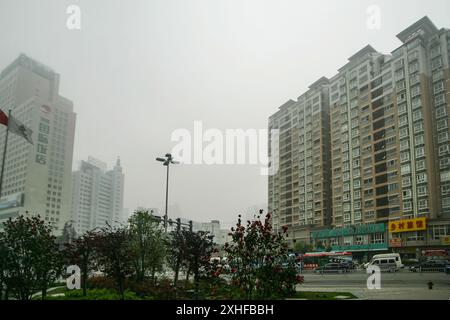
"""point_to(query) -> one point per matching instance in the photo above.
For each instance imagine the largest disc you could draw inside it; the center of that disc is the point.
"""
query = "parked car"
(331, 268)
(349, 265)
(430, 265)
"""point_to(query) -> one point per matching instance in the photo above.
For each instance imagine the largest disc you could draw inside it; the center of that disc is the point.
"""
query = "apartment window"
(439, 75)
(441, 112)
(422, 190)
(417, 115)
(436, 63)
(442, 124)
(420, 152)
(443, 150)
(402, 108)
(415, 91)
(420, 165)
(392, 187)
(405, 169)
(421, 177)
(438, 87)
(416, 102)
(444, 163)
(422, 204)
(418, 127)
(443, 137)
(440, 231)
(435, 51)
(401, 98)
(404, 144)
(403, 120)
(419, 139)
(407, 206)
(406, 181)
(407, 194)
(401, 85)
(400, 74)
(439, 99)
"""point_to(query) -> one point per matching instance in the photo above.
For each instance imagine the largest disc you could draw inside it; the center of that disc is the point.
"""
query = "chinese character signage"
(407, 225)
(42, 145)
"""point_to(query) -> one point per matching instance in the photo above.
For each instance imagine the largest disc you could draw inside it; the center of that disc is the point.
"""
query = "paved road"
(402, 285)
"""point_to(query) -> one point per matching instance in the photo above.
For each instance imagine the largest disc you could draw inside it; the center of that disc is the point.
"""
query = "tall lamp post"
(167, 161)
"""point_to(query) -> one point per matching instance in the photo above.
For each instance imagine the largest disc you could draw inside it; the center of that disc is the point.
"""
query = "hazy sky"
(137, 70)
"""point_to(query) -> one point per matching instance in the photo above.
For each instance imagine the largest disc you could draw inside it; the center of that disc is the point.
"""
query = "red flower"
(300, 279)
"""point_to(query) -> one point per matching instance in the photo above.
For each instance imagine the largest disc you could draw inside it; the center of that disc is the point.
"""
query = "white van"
(389, 256)
(385, 264)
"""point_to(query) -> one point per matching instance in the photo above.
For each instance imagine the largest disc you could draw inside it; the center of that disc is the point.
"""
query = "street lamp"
(166, 162)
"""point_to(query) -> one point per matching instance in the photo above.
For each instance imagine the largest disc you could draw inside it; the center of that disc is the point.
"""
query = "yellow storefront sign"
(408, 225)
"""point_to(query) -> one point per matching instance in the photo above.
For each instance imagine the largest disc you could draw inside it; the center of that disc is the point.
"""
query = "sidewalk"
(387, 293)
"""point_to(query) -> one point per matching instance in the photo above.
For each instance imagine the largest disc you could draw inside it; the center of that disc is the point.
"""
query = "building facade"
(389, 149)
(37, 177)
(299, 192)
(97, 196)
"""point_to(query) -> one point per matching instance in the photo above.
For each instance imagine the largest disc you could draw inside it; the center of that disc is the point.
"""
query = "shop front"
(363, 241)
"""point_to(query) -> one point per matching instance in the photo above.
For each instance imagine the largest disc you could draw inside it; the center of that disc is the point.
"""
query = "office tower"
(37, 177)
(299, 192)
(97, 196)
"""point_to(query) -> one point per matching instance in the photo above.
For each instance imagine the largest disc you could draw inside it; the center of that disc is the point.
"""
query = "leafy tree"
(81, 252)
(198, 249)
(33, 260)
(258, 258)
(147, 243)
(115, 257)
(176, 253)
(3, 265)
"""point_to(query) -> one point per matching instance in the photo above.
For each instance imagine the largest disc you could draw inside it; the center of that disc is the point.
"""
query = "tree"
(81, 252)
(3, 261)
(147, 243)
(115, 257)
(33, 260)
(258, 258)
(199, 246)
(176, 250)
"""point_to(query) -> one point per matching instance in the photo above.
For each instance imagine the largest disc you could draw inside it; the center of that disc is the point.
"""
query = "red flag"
(3, 118)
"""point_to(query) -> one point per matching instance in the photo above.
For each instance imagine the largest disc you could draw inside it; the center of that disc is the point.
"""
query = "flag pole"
(5, 148)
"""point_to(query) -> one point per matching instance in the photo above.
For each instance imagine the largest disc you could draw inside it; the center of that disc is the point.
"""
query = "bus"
(314, 260)
(436, 254)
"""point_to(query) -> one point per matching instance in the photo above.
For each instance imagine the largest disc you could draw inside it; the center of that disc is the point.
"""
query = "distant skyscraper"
(97, 195)
(37, 178)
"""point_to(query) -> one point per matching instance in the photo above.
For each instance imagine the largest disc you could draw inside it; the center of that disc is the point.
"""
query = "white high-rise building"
(97, 195)
(37, 177)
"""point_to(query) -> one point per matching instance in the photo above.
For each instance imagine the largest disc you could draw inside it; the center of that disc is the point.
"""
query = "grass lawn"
(323, 295)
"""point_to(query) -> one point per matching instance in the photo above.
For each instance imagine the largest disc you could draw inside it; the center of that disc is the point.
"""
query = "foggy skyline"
(137, 72)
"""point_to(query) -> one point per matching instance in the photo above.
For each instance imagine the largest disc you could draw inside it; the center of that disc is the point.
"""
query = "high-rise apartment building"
(97, 196)
(37, 177)
(299, 192)
(389, 144)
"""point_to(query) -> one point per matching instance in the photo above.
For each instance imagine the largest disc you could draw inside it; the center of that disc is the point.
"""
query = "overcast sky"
(137, 70)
